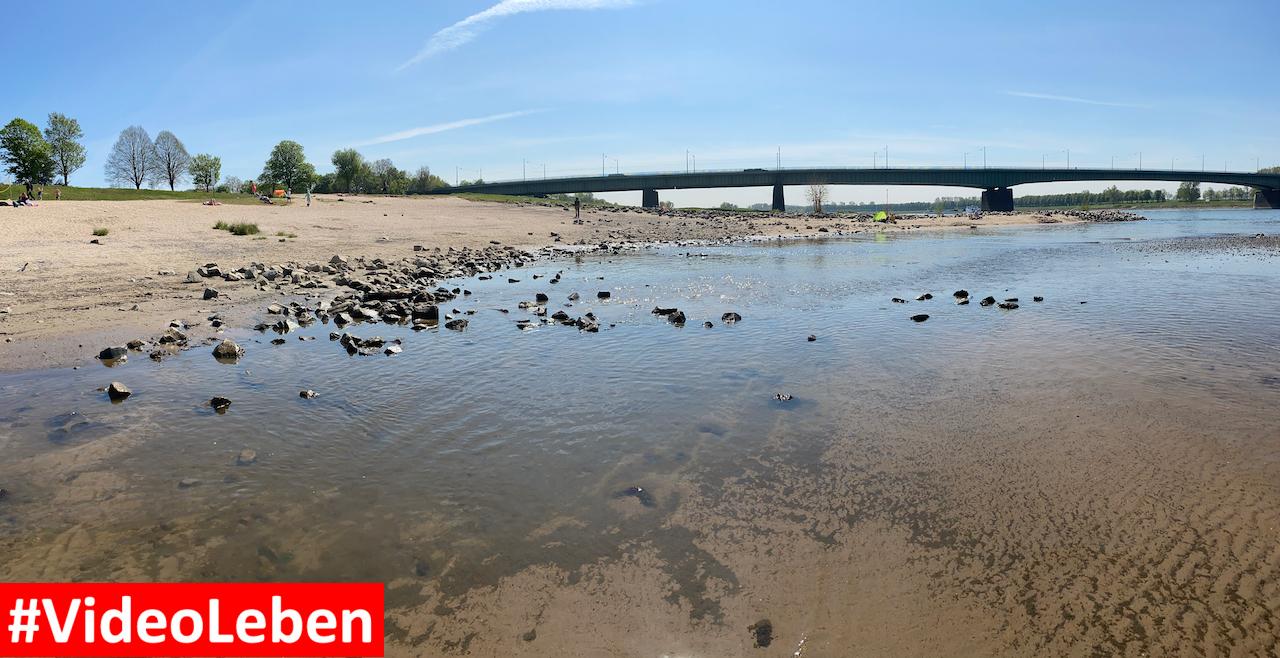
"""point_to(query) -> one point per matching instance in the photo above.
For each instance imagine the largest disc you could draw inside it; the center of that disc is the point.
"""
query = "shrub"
(100, 231)
(239, 228)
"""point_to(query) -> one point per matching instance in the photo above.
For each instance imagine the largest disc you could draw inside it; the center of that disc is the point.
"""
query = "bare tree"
(132, 159)
(171, 159)
(817, 195)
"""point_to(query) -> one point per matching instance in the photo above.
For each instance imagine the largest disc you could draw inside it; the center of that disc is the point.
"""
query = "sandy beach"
(67, 297)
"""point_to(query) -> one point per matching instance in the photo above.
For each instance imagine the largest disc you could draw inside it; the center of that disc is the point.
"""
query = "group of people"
(31, 195)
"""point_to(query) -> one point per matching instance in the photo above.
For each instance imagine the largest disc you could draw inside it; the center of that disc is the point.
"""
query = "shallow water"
(475, 455)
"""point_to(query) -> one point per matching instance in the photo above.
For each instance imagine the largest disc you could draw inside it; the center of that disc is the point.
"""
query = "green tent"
(882, 216)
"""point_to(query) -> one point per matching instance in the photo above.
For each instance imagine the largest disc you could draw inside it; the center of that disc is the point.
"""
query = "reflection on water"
(476, 454)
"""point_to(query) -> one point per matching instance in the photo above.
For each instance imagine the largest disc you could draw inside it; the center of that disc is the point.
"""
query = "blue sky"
(480, 85)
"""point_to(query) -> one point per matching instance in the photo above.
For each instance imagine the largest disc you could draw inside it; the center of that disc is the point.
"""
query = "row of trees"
(28, 155)
(353, 174)
(136, 159)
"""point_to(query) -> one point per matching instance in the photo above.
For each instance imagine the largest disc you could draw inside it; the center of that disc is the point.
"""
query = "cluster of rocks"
(961, 298)
(173, 339)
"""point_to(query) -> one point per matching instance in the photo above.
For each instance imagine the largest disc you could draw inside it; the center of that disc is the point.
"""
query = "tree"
(288, 166)
(348, 163)
(233, 184)
(424, 181)
(172, 159)
(63, 134)
(817, 194)
(383, 172)
(728, 206)
(205, 170)
(1188, 192)
(132, 159)
(24, 152)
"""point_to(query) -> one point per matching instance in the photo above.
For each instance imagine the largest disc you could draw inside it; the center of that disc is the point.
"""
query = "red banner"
(198, 619)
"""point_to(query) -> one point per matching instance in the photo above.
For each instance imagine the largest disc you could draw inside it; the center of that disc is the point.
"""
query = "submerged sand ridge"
(67, 297)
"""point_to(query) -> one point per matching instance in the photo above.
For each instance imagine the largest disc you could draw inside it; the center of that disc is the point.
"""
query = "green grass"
(101, 231)
(239, 228)
(127, 194)
(282, 234)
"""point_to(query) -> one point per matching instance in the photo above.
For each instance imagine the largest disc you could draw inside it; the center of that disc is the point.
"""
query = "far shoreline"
(72, 294)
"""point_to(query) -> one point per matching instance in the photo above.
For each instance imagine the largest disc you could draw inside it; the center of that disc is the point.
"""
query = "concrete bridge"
(996, 183)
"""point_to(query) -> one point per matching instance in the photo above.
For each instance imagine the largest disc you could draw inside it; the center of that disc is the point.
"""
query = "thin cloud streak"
(444, 127)
(470, 27)
(1072, 99)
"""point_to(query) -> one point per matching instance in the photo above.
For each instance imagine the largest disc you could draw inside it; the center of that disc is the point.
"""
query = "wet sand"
(66, 298)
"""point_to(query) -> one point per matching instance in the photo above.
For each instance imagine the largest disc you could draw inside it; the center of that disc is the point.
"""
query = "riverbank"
(68, 292)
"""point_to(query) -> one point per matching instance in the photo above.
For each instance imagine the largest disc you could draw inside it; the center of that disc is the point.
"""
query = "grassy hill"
(71, 193)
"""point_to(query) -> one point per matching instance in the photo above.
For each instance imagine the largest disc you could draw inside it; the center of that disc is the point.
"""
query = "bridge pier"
(1265, 198)
(998, 199)
(779, 199)
(649, 199)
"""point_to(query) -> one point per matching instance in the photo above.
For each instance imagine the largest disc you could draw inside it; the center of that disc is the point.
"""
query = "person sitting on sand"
(212, 202)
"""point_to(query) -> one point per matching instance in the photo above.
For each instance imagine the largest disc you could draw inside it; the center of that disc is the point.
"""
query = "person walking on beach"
(28, 189)
(309, 188)
(40, 194)
(577, 207)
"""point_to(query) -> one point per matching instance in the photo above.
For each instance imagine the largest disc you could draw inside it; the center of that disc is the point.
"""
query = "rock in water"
(392, 350)
(812, 338)
(307, 394)
(730, 317)
(960, 293)
(708, 324)
(987, 301)
(762, 631)
(783, 397)
(898, 300)
(604, 294)
(1037, 298)
(676, 318)
(920, 318)
(114, 353)
(639, 493)
(187, 483)
(925, 296)
(541, 298)
(228, 350)
(246, 457)
(456, 325)
(1008, 306)
(117, 391)
(219, 404)
(962, 301)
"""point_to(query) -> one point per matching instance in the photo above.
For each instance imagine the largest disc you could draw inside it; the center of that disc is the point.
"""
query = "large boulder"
(117, 391)
(228, 350)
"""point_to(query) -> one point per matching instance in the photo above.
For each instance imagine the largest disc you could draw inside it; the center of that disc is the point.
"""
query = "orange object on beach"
(277, 193)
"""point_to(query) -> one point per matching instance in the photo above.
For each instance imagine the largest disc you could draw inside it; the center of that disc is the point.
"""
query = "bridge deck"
(975, 178)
